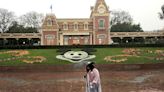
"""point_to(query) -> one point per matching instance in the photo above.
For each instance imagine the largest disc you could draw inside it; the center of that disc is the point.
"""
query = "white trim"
(101, 36)
(49, 37)
(87, 33)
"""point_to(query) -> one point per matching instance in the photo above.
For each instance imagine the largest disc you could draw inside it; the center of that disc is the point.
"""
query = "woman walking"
(93, 83)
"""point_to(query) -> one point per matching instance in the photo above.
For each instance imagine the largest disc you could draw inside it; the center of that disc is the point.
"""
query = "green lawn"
(50, 54)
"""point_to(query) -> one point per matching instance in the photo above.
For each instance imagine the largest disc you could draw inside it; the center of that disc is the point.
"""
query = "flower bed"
(117, 59)
(20, 55)
(17, 53)
(157, 55)
(132, 51)
(34, 59)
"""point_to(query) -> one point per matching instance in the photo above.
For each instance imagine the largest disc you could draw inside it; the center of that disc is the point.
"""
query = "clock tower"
(101, 24)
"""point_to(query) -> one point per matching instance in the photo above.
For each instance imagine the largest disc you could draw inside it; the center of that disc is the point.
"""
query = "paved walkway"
(112, 81)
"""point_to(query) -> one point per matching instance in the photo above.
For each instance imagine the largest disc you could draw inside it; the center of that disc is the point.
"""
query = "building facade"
(94, 30)
(83, 31)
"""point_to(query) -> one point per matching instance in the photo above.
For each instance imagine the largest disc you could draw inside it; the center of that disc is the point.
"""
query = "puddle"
(17, 82)
(148, 90)
(141, 79)
(20, 82)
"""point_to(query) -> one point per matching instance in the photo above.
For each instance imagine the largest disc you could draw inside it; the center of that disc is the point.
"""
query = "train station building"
(82, 31)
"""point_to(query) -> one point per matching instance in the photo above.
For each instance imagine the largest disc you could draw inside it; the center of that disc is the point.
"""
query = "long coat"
(93, 83)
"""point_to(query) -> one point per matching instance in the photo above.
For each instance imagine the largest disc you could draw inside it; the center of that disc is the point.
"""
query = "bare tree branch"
(120, 16)
(31, 19)
(6, 19)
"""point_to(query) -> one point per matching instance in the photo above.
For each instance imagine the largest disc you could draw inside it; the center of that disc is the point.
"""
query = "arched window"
(49, 22)
(101, 24)
(65, 26)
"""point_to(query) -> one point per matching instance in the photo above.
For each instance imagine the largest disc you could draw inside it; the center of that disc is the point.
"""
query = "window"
(65, 26)
(49, 22)
(76, 26)
(86, 26)
(101, 24)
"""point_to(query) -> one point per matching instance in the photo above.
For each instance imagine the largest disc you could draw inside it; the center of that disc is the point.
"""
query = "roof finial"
(51, 8)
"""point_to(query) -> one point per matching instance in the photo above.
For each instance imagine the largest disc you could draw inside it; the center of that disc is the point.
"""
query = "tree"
(6, 19)
(17, 28)
(31, 19)
(126, 27)
(120, 16)
(161, 15)
(121, 21)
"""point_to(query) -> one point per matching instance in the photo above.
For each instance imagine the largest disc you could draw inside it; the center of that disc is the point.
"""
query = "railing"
(20, 35)
(136, 34)
(112, 34)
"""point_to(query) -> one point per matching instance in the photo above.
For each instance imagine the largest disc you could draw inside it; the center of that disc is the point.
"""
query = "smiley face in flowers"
(75, 56)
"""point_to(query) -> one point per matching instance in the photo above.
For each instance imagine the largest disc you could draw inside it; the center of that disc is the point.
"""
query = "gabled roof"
(95, 8)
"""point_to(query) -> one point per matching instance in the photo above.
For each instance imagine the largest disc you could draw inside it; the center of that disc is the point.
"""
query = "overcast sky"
(144, 12)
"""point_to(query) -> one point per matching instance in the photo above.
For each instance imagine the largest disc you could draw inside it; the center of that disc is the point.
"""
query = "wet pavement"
(112, 81)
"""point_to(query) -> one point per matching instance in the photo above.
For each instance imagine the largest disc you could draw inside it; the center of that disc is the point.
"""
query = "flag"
(51, 7)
